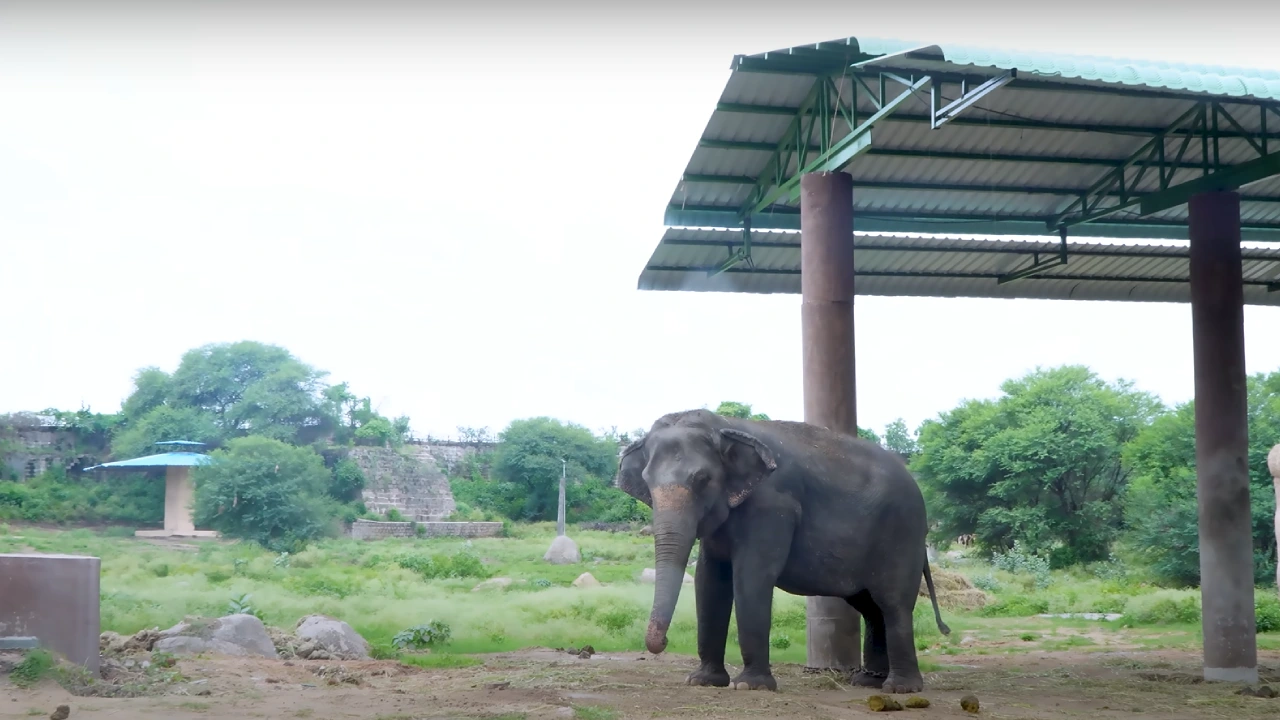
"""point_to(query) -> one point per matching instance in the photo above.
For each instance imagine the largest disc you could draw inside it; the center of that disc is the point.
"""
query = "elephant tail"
(937, 614)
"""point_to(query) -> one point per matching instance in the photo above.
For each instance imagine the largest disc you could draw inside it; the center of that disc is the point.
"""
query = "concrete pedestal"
(179, 496)
(53, 598)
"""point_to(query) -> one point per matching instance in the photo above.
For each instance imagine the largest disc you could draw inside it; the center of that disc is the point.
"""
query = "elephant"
(781, 504)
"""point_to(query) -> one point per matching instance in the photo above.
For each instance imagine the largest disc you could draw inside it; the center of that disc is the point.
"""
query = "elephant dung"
(917, 702)
(883, 703)
(969, 703)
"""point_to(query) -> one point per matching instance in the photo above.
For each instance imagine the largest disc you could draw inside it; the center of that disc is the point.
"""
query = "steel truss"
(810, 142)
(1202, 128)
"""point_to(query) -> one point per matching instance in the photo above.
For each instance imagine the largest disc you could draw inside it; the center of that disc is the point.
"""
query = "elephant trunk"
(674, 530)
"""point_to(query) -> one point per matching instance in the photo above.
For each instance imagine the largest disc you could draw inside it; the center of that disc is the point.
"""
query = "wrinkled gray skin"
(786, 505)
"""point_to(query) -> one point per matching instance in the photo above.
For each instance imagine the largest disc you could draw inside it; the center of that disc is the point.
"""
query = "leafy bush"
(55, 498)
(241, 606)
(348, 481)
(431, 567)
(780, 641)
(1020, 562)
(1267, 612)
(1163, 608)
(433, 633)
(266, 491)
(34, 666)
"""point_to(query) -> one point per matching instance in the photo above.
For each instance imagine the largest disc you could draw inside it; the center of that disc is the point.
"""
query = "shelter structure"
(179, 490)
(960, 141)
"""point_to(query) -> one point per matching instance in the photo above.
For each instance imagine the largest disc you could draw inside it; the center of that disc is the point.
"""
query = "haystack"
(954, 591)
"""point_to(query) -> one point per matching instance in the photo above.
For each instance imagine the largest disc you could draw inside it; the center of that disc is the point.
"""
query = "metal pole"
(1222, 439)
(832, 628)
(560, 506)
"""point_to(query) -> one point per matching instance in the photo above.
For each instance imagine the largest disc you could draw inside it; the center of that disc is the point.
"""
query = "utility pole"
(560, 509)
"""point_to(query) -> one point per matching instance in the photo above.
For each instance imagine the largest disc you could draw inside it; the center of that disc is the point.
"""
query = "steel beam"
(1222, 440)
(832, 627)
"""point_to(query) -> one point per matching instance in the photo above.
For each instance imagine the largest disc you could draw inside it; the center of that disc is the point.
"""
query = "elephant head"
(692, 475)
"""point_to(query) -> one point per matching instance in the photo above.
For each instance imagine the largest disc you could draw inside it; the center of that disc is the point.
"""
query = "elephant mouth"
(655, 640)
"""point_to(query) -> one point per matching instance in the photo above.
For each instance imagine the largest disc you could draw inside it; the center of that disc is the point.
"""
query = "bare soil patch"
(545, 683)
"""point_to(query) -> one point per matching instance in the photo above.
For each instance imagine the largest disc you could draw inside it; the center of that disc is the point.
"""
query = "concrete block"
(53, 598)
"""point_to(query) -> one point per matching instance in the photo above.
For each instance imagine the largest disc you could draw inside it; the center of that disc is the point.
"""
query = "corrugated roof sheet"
(951, 267)
(1009, 163)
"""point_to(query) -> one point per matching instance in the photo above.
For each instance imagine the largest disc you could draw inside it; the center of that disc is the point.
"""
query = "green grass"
(382, 588)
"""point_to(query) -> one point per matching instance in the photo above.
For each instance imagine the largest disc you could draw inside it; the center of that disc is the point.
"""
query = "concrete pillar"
(1273, 464)
(833, 628)
(54, 599)
(1222, 439)
(179, 494)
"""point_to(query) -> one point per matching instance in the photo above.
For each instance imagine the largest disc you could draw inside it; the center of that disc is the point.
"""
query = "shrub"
(1016, 606)
(431, 567)
(1021, 562)
(1163, 608)
(265, 491)
(433, 633)
(1267, 612)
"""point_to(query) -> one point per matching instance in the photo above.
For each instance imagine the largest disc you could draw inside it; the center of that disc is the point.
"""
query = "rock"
(334, 637)
(917, 702)
(286, 644)
(586, 579)
(646, 530)
(111, 643)
(563, 551)
(883, 703)
(142, 641)
(62, 713)
(304, 650)
(969, 703)
(231, 635)
(493, 584)
(649, 575)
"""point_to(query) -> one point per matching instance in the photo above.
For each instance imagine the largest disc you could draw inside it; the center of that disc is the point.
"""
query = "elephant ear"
(749, 462)
(630, 466)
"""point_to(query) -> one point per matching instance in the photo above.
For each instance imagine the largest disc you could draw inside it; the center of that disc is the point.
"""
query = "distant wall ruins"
(407, 479)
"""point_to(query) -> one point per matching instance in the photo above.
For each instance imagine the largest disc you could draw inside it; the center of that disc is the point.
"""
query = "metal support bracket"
(742, 254)
(1037, 265)
(942, 114)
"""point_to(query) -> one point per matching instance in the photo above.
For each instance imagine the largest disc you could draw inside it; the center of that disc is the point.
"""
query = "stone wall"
(31, 444)
(449, 455)
(370, 530)
(407, 480)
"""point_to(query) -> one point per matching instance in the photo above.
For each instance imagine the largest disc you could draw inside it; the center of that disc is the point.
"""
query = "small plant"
(1022, 562)
(394, 515)
(780, 641)
(216, 576)
(1026, 637)
(34, 666)
(282, 560)
(433, 633)
(240, 606)
(238, 566)
(540, 583)
(987, 582)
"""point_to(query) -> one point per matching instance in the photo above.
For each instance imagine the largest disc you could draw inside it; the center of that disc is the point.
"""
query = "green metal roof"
(957, 140)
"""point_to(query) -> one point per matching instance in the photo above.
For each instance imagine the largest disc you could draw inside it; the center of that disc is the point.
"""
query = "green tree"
(266, 491)
(526, 474)
(900, 440)
(1162, 512)
(164, 422)
(1041, 464)
(249, 387)
(728, 408)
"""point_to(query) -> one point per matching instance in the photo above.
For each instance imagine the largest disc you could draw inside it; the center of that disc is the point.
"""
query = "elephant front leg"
(753, 599)
(713, 593)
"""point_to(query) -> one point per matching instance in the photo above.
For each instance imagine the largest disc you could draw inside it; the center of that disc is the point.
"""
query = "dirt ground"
(544, 683)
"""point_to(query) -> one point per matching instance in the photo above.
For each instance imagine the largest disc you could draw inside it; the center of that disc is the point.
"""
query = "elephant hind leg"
(904, 669)
(875, 656)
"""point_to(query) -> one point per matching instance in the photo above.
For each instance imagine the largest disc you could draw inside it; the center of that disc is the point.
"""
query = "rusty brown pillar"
(832, 628)
(1222, 439)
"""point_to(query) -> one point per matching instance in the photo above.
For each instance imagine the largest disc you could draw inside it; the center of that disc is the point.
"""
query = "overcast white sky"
(449, 209)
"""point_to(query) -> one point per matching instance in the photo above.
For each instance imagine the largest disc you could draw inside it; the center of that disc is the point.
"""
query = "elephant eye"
(701, 476)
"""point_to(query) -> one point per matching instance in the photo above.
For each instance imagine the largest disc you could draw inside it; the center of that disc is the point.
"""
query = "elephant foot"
(901, 683)
(868, 678)
(754, 680)
(709, 676)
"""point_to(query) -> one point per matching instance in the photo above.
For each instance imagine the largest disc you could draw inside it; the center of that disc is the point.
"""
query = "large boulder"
(334, 639)
(563, 551)
(231, 635)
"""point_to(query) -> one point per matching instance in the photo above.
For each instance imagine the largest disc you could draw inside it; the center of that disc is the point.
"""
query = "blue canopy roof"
(168, 459)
